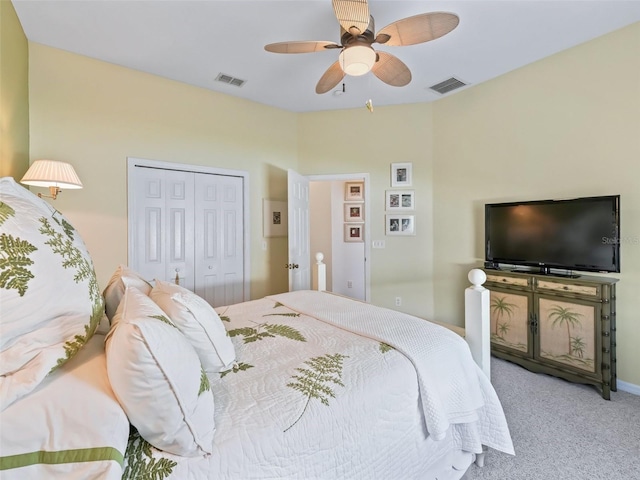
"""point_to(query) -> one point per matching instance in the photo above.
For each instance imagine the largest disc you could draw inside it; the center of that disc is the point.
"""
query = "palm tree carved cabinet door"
(568, 334)
(562, 326)
(510, 322)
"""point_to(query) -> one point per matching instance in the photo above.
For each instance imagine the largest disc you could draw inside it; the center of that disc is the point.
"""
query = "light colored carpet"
(562, 430)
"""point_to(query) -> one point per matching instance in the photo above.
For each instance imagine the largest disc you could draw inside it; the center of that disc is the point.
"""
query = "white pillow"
(157, 377)
(199, 322)
(122, 278)
(50, 302)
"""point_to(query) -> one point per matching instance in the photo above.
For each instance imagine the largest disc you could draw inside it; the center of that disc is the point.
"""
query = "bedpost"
(319, 274)
(477, 320)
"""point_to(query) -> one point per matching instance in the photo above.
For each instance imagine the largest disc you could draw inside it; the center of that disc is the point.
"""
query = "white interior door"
(190, 227)
(163, 223)
(219, 262)
(298, 210)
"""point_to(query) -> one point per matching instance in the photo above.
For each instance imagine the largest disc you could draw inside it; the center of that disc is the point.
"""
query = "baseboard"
(628, 387)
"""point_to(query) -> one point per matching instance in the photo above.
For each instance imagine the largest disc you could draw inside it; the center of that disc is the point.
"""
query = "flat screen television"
(580, 234)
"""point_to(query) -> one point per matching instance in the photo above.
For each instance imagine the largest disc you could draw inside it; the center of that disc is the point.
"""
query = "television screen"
(577, 234)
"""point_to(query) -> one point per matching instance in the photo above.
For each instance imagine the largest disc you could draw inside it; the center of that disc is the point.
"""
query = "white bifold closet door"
(188, 227)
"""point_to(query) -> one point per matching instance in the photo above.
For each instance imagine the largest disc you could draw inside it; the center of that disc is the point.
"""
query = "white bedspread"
(309, 400)
(453, 389)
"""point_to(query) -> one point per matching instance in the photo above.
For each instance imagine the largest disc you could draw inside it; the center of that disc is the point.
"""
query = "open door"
(299, 246)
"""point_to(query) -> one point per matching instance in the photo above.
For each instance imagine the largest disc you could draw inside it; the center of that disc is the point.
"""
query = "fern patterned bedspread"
(310, 399)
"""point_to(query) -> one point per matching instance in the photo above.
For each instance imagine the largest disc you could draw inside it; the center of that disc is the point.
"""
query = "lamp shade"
(49, 173)
(357, 60)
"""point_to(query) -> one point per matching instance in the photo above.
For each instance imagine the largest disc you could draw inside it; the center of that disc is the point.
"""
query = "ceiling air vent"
(228, 79)
(448, 85)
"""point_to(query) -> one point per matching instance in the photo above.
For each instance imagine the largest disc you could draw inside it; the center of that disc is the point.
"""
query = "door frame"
(348, 177)
(134, 162)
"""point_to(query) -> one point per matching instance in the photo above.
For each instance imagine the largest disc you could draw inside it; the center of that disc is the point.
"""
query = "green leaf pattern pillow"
(49, 295)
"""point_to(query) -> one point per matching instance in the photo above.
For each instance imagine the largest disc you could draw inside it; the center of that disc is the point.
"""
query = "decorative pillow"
(49, 294)
(156, 375)
(199, 322)
(122, 278)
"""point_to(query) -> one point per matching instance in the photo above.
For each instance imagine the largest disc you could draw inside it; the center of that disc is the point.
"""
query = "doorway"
(346, 256)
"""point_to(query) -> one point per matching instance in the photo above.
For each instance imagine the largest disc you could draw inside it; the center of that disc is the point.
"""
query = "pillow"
(122, 278)
(49, 294)
(199, 322)
(156, 376)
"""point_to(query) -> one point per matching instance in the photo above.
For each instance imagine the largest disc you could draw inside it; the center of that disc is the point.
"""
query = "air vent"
(228, 79)
(448, 85)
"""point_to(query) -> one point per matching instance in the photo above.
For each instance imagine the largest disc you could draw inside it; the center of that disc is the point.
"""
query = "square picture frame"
(274, 218)
(396, 200)
(354, 191)
(401, 174)
(353, 232)
(403, 225)
(354, 212)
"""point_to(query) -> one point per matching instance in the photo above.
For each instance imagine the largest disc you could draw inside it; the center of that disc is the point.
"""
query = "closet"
(188, 226)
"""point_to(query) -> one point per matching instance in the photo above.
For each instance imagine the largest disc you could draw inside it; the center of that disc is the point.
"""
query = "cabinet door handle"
(533, 323)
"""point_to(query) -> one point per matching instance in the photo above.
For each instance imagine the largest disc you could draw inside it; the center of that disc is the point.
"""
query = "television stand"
(554, 325)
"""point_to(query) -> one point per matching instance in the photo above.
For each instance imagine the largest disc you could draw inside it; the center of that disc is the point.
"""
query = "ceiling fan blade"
(353, 15)
(418, 29)
(299, 47)
(330, 79)
(391, 70)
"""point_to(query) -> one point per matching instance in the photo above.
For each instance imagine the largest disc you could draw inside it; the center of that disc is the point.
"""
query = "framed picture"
(400, 225)
(354, 232)
(274, 218)
(400, 200)
(401, 174)
(354, 212)
(354, 191)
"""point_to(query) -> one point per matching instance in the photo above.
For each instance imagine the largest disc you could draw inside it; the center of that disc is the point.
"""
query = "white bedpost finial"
(477, 277)
(319, 281)
(477, 320)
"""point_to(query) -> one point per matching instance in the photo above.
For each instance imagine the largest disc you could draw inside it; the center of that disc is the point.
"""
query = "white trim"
(628, 387)
(133, 162)
(367, 223)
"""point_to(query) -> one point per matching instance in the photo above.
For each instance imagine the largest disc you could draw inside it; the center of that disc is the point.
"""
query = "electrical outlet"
(264, 245)
(398, 301)
(349, 284)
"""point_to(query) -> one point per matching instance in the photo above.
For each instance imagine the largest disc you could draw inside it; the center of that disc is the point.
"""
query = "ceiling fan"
(357, 35)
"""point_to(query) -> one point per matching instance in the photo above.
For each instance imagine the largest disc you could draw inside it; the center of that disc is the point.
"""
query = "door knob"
(291, 266)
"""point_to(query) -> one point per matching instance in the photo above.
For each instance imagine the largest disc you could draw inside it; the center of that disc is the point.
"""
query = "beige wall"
(357, 141)
(566, 126)
(95, 115)
(14, 95)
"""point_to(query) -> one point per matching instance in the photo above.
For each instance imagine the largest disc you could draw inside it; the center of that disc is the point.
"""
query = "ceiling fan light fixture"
(357, 59)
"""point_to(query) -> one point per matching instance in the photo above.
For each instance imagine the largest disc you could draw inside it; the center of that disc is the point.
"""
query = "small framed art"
(274, 218)
(400, 225)
(354, 212)
(353, 232)
(400, 200)
(401, 174)
(354, 191)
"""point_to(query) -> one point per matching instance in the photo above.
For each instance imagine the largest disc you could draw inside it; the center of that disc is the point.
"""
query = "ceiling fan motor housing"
(368, 36)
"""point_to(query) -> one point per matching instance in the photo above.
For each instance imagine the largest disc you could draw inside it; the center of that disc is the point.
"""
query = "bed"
(146, 380)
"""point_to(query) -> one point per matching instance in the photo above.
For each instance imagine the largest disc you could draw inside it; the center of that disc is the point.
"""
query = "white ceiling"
(193, 41)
